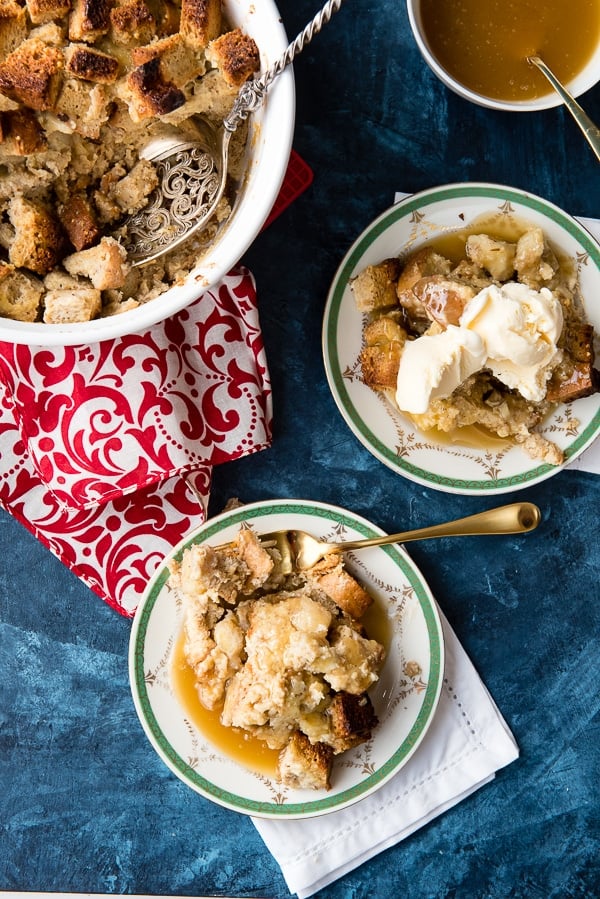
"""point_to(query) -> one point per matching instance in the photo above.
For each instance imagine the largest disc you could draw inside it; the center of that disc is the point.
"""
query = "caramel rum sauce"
(243, 748)
(484, 44)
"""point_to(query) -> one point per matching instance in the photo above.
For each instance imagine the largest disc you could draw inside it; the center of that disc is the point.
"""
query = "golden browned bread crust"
(380, 356)
(89, 19)
(330, 576)
(132, 22)
(352, 719)
(178, 63)
(200, 21)
(375, 286)
(21, 133)
(151, 95)
(13, 27)
(41, 11)
(20, 294)
(304, 764)
(91, 65)
(38, 238)
(79, 221)
(104, 264)
(80, 304)
(236, 55)
(30, 74)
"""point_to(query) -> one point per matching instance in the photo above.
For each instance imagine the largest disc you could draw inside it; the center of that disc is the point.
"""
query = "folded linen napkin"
(467, 742)
(107, 450)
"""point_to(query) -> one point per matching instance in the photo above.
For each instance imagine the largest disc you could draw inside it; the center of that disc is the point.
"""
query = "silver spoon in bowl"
(192, 173)
(590, 130)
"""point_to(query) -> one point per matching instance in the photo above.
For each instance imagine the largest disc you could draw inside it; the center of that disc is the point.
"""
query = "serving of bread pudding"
(281, 655)
(83, 87)
(493, 337)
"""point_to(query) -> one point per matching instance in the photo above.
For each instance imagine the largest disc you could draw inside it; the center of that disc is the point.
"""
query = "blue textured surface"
(85, 804)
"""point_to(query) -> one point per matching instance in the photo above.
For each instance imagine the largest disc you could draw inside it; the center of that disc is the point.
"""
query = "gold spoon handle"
(590, 129)
(516, 518)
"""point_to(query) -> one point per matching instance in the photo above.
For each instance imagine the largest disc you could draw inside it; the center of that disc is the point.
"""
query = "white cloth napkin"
(467, 742)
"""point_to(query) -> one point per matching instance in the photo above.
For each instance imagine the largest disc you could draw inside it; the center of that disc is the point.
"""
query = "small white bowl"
(270, 143)
(587, 78)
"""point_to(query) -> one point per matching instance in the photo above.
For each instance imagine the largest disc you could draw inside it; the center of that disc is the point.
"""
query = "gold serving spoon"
(192, 173)
(300, 550)
(590, 130)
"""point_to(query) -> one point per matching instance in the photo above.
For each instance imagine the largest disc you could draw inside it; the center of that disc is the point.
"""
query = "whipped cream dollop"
(510, 329)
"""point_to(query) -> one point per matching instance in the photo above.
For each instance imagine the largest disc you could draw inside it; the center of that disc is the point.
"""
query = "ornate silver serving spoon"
(192, 174)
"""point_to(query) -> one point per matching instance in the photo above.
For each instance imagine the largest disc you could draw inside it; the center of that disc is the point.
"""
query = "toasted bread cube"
(38, 237)
(85, 106)
(259, 562)
(200, 21)
(375, 286)
(583, 380)
(13, 27)
(304, 765)
(178, 63)
(495, 256)
(72, 305)
(91, 65)
(20, 294)
(105, 264)
(535, 261)
(235, 55)
(21, 133)
(443, 298)
(380, 357)
(147, 94)
(352, 720)
(132, 23)
(380, 364)
(330, 576)
(31, 74)
(79, 221)
(420, 264)
(41, 11)
(89, 20)
(131, 192)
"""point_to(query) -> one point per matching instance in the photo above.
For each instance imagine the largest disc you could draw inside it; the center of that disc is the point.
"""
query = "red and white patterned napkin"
(106, 450)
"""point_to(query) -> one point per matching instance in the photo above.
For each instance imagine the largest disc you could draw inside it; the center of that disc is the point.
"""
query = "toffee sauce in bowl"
(479, 48)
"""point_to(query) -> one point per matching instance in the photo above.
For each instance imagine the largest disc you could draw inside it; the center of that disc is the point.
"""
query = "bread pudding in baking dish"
(280, 655)
(478, 330)
(83, 87)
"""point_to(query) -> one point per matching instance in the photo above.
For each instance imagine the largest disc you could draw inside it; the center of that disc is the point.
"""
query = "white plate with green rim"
(405, 697)
(382, 429)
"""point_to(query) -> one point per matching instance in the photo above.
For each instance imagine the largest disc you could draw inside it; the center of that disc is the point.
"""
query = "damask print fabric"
(106, 451)
(105, 420)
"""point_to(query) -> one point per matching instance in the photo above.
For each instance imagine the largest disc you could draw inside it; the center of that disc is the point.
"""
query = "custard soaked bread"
(493, 339)
(83, 87)
(282, 657)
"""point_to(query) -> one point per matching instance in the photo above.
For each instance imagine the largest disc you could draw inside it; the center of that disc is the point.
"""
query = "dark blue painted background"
(85, 804)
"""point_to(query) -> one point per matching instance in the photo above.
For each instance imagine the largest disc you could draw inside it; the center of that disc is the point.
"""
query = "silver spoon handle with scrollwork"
(252, 92)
